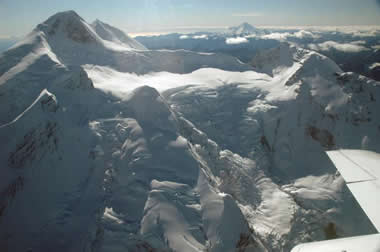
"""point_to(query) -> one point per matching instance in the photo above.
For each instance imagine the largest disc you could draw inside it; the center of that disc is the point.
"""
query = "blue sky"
(18, 17)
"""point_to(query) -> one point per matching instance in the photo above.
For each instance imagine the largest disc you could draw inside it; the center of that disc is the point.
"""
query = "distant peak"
(244, 29)
(246, 24)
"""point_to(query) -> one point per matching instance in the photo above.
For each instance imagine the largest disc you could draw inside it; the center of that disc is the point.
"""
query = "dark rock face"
(375, 73)
(49, 103)
(35, 140)
(323, 136)
(78, 33)
(78, 79)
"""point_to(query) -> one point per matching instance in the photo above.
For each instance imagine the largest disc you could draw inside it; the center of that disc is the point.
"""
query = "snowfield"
(108, 146)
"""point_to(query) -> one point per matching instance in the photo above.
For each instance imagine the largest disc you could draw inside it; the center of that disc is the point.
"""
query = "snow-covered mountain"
(108, 147)
(65, 40)
(72, 41)
(245, 29)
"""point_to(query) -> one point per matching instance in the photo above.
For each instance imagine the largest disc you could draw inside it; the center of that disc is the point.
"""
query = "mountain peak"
(69, 24)
(97, 22)
(245, 24)
(68, 13)
(63, 15)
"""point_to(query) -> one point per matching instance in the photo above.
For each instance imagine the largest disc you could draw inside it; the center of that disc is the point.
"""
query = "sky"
(18, 17)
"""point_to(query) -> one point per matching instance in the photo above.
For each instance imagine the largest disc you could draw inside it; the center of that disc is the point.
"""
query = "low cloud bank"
(302, 34)
(352, 47)
(204, 36)
(236, 41)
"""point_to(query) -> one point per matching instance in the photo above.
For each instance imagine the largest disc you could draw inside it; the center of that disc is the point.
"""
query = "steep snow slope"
(159, 197)
(50, 186)
(109, 33)
(282, 127)
(107, 175)
(219, 161)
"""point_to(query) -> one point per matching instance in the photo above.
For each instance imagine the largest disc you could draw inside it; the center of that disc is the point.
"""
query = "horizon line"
(200, 28)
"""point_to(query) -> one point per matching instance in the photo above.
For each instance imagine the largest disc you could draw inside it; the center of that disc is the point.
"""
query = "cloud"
(276, 35)
(7, 37)
(344, 47)
(365, 34)
(359, 31)
(204, 36)
(374, 65)
(192, 27)
(359, 42)
(248, 14)
(236, 41)
(252, 36)
(284, 35)
(304, 34)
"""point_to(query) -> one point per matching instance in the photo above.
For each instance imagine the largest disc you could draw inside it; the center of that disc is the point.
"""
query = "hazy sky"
(18, 17)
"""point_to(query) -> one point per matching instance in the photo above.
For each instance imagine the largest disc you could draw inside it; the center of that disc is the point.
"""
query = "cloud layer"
(203, 36)
(343, 47)
(236, 41)
(302, 34)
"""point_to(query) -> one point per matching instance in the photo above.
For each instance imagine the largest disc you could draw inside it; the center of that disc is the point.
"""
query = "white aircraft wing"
(361, 171)
(365, 243)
